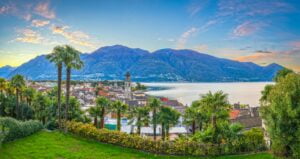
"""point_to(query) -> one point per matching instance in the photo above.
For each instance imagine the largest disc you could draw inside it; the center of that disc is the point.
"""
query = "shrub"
(254, 139)
(177, 147)
(13, 129)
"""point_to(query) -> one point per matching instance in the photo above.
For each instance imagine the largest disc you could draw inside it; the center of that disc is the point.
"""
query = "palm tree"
(71, 58)
(119, 108)
(154, 104)
(94, 112)
(28, 95)
(103, 104)
(41, 103)
(139, 115)
(195, 116)
(167, 117)
(3, 86)
(217, 106)
(56, 57)
(18, 82)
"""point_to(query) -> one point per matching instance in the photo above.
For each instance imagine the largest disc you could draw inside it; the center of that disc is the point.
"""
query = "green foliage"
(139, 86)
(55, 145)
(282, 73)
(253, 139)
(177, 147)
(140, 117)
(14, 129)
(167, 117)
(281, 111)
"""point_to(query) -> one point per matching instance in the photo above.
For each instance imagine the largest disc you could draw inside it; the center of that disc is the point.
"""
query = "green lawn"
(55, 145)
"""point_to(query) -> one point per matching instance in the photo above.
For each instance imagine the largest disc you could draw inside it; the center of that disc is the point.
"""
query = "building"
(127, 87)
(247, 116)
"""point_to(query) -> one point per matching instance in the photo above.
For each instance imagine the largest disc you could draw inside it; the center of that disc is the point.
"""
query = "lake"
(243, 92)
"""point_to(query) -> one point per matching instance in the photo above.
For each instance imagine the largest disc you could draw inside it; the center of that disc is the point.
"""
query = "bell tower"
(127, 87)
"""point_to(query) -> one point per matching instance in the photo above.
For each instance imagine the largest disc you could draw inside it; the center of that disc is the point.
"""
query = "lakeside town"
(127, 92)
(150, 79)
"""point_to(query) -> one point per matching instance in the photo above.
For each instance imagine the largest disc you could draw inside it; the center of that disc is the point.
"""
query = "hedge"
(178, 147)
(12, 129)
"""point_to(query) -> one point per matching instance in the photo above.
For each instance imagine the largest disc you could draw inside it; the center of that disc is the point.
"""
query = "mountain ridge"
(112, 62)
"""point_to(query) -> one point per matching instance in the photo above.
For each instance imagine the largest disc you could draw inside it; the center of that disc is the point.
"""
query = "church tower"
(127, 86)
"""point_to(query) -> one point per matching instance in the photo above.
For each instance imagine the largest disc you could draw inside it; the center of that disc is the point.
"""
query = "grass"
(56, 145)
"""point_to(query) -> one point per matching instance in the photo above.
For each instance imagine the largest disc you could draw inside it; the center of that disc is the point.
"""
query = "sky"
(259, 31)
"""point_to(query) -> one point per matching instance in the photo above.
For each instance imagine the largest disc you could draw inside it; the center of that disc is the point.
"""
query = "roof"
(234, 114)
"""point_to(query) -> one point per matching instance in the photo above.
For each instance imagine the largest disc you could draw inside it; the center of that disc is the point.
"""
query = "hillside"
(112, 62)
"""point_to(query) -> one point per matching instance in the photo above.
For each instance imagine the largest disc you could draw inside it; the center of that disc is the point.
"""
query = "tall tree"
(281, 113)
(95, 112)
(71, 59)
(155, 105)
(41, 104)
(104, 105)
(56, 57)
(18, 82)
(195, 116)
(3, 86)
(29, 95)
(140, 117)
(217, 108)
(167, 117)
(118, 107)
(282, 73)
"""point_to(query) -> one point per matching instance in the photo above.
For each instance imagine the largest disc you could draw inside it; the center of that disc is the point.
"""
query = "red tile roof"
(234, 114)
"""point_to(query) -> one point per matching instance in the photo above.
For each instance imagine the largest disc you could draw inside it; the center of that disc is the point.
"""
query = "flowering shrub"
(177, 147)
(12, 129)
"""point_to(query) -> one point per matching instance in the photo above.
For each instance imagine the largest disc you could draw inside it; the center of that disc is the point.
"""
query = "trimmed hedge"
(14, 129)
(178, 147)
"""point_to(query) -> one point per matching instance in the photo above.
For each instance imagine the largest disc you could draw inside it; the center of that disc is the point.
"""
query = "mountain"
(6, 70)
(112, 62)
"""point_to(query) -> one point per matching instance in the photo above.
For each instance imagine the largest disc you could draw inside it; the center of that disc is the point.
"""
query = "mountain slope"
(6, 70)
(112, 62)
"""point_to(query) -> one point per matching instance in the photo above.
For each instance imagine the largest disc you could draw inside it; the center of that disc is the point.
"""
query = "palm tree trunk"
(21, 108)
(167, 131)
(95, 121)
(68, 92)
(119, 120)
(154, 124)
(17, 104)
(59, 72)
(102, 118)
(139, 125)
(163, 131)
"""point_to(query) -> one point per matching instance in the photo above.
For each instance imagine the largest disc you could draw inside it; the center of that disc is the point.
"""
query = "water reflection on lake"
(243, 92)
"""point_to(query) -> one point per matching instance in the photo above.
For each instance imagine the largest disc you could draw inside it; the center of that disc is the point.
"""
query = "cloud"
(247, 28)
(295, 44)
(17, 8)
(201, 48)
(43, 10)
(253, 57)
(252, 7)
(185, 36)
(29, 36)
(289, 58)
(5, 9)
(39, 23)
(196, 6)
(263, 52)
(76, 37)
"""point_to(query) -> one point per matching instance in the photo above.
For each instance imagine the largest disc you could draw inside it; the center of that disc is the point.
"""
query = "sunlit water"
(243, 92)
